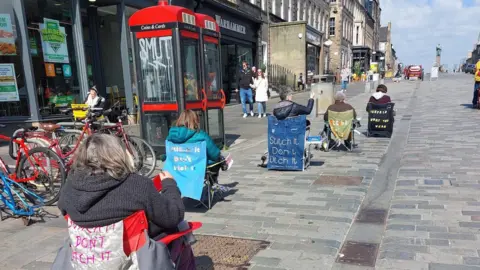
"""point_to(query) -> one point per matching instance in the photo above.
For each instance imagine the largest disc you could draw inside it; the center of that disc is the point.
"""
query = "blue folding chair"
(187, 163)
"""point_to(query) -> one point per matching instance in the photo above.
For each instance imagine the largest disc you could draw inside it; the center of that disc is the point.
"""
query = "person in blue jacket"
(187, 130)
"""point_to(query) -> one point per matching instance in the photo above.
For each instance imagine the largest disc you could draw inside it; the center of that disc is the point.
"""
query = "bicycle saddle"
(50, 127)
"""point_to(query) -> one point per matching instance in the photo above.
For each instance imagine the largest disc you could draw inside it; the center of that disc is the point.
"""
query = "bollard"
(368, 87)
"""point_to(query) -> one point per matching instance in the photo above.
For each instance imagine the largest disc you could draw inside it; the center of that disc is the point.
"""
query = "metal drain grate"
(332, 180)
(225, 253)
(361, 254)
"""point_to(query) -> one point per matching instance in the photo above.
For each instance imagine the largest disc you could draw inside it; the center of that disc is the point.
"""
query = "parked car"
(470, 68)
(414, 71)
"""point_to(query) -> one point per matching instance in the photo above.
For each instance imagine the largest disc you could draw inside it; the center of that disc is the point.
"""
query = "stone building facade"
(340, 32)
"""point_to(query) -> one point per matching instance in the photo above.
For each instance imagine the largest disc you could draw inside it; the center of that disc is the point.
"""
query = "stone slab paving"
(305, 223)
(434, 218)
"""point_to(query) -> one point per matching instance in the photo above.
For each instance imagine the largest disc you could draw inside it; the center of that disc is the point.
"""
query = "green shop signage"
(54, 42)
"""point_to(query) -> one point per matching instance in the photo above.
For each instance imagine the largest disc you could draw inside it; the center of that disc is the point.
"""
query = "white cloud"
(419, 25)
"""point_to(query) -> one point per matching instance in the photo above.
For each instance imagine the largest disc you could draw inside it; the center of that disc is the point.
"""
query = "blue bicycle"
(18, 201)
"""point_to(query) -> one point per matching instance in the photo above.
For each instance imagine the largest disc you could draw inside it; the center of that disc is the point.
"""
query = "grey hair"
(104, 153)
(340, 96)
(284, 92)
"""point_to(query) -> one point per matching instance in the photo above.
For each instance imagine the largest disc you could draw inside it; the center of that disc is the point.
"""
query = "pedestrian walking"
(260, 84)
(476, 85)
(345, 75)
(245, 79)
(301, 82)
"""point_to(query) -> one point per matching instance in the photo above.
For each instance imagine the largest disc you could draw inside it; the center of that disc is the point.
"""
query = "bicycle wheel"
(68, 141)
(49, 170)
(143, 155)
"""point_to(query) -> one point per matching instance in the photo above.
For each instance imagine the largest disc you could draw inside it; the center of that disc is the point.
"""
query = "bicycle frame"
(9, 199)
(22, 148)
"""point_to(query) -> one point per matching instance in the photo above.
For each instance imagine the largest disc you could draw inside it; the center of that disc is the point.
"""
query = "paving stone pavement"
(434, 218)
(434, 213)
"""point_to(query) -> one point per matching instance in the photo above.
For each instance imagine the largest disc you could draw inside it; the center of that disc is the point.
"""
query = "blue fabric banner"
(286, 143)
(187, 164)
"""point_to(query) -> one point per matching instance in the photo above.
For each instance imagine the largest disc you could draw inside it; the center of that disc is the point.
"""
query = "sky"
(419, 25)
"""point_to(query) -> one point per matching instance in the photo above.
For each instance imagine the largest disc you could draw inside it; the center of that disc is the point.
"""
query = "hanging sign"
(8, 83)
(7, 39)
(49, 70)
(54, 42)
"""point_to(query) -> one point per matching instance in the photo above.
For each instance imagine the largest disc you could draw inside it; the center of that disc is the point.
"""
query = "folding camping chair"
(294, 126)
(187, 163)
(340, 128)
(380, 119)
(125, 244)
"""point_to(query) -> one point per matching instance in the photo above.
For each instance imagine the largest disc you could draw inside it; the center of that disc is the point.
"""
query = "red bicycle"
(67, 144)
(38, 169)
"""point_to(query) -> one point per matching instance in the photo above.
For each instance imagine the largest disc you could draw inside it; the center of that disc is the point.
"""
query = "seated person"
(94, 100)
(101, 180)
(187, 130)
(340, 106)
(287, 108)
(380, 97)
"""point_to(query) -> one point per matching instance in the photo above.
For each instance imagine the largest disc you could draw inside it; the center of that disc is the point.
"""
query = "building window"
(331, 27)
(13, 92)
(282, 9)
(54, 62)
(356, 36)
(263, 4)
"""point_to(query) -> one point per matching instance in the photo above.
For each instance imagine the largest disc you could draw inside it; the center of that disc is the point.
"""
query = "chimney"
(389, 26)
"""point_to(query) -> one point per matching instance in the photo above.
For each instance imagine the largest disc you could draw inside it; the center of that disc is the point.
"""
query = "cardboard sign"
(286, 143)
(187, 164)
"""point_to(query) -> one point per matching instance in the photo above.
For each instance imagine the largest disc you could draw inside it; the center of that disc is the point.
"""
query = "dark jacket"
(379, 98)
(245, 78)
(339, 107)
(100, 200)
(181, 135)
(286, 108)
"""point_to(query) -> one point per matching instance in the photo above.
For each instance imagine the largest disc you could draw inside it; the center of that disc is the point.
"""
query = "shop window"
(54, 62)
(13, 93)
(212, 63)
(331, 27)
(190, 69)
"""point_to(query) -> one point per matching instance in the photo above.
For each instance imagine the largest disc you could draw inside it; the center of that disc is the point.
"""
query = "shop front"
(314, 42)
(361, 59)
(238, 40)
(52, 51)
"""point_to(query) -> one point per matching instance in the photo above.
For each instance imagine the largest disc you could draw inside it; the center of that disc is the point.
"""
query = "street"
(409, 202)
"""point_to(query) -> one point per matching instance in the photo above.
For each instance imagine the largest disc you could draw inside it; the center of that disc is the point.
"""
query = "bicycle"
(37, 177)
(66, 145)
(24, 206)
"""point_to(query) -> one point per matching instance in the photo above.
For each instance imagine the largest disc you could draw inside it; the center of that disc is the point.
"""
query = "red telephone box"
(212, 77)
(168, 68)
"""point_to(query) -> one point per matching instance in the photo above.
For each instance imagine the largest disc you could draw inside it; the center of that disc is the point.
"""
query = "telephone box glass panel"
(157, 68)
(191, 78)
(212, 63)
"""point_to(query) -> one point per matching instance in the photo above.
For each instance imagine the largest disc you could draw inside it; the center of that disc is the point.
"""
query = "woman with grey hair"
(103, 189)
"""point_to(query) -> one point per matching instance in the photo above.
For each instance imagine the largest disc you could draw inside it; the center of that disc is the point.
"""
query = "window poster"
(7, 39)
(8, 83)
(54, 42)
